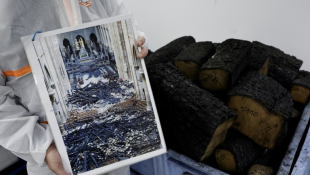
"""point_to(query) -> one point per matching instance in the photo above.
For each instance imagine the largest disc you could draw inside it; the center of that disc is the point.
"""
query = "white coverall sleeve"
(20, 131)
(20, 106)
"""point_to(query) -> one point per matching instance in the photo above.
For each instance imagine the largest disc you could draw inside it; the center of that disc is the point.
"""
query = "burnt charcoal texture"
(244, 151)
(267, 91)
(282, 67)
(149, 53)
(197, 52)
(231, 55)
(265, 158)
(189, 115)
(303, 79)
(168, 52)
(216, 45)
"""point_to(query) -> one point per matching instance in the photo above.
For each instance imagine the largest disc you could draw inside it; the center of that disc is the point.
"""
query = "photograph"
(99, 94)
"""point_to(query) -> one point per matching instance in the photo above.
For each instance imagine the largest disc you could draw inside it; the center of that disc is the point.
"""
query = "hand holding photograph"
(96, 95)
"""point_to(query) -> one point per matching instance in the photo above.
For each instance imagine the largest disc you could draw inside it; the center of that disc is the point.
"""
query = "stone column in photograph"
(86, 43)
(61, 84)
(124, 50)
(104, 41)
(130, 45)
(108, 40)
(59, 65)
(55, 108)
(104, 36)
(143, 95)
(118, 54)
(148, 100)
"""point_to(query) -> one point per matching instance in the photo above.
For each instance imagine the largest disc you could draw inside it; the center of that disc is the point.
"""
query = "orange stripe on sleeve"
(18, 73)
(46, 122)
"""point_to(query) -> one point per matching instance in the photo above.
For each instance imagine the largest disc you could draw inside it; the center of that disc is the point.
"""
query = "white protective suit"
(105, 8)
(21, 112)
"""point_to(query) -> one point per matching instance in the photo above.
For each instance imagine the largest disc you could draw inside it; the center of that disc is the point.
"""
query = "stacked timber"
(263, 107)
(281, 67)
(301, 87)
(190, 60)
(237, 153)
(221, 71)
(193, 120)
(257, 78)
(166, 53)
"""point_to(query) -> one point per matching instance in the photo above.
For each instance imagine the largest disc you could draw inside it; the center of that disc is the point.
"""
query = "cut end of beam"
(300, 93)
(225, 160)
(214, 79)
(260, 170)
(255, 121)
(189, 69)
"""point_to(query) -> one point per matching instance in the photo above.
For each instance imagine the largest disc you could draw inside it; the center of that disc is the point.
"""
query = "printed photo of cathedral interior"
(99, 95)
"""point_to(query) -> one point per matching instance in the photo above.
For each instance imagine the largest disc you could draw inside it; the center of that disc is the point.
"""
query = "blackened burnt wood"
(265, 158)
(303, 79)
(263, 107)
(190, 60)
(267, 91)
(198, 52)
(258, 169)
(295, 113)
(236, 154)
(166, 53)
(301, 87)
(261, 165)
(193, 118)
(223, 69)
(282, 67)
(216, 45)
(300, 93)
(149, 52)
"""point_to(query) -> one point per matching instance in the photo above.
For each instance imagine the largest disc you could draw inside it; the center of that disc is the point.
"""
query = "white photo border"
(39, 80)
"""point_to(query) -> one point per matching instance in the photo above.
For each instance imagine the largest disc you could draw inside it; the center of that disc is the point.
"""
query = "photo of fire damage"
(99, 95)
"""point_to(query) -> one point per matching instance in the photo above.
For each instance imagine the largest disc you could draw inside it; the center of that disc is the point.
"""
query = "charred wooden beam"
(166, 53)
(303, 78)
(190, 60)
(193, 120)
(278, 154)
(149, 52)
(300, 93)
(222, 70)
(263, 107)
(258, 169)
(282, 67)
(265, 158)
(237, 153)
(261, 165)
(301, 87)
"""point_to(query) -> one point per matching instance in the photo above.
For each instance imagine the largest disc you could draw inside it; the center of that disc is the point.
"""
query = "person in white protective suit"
(23, 128)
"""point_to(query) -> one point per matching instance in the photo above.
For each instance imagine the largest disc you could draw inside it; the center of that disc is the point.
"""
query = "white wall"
(284, 24)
